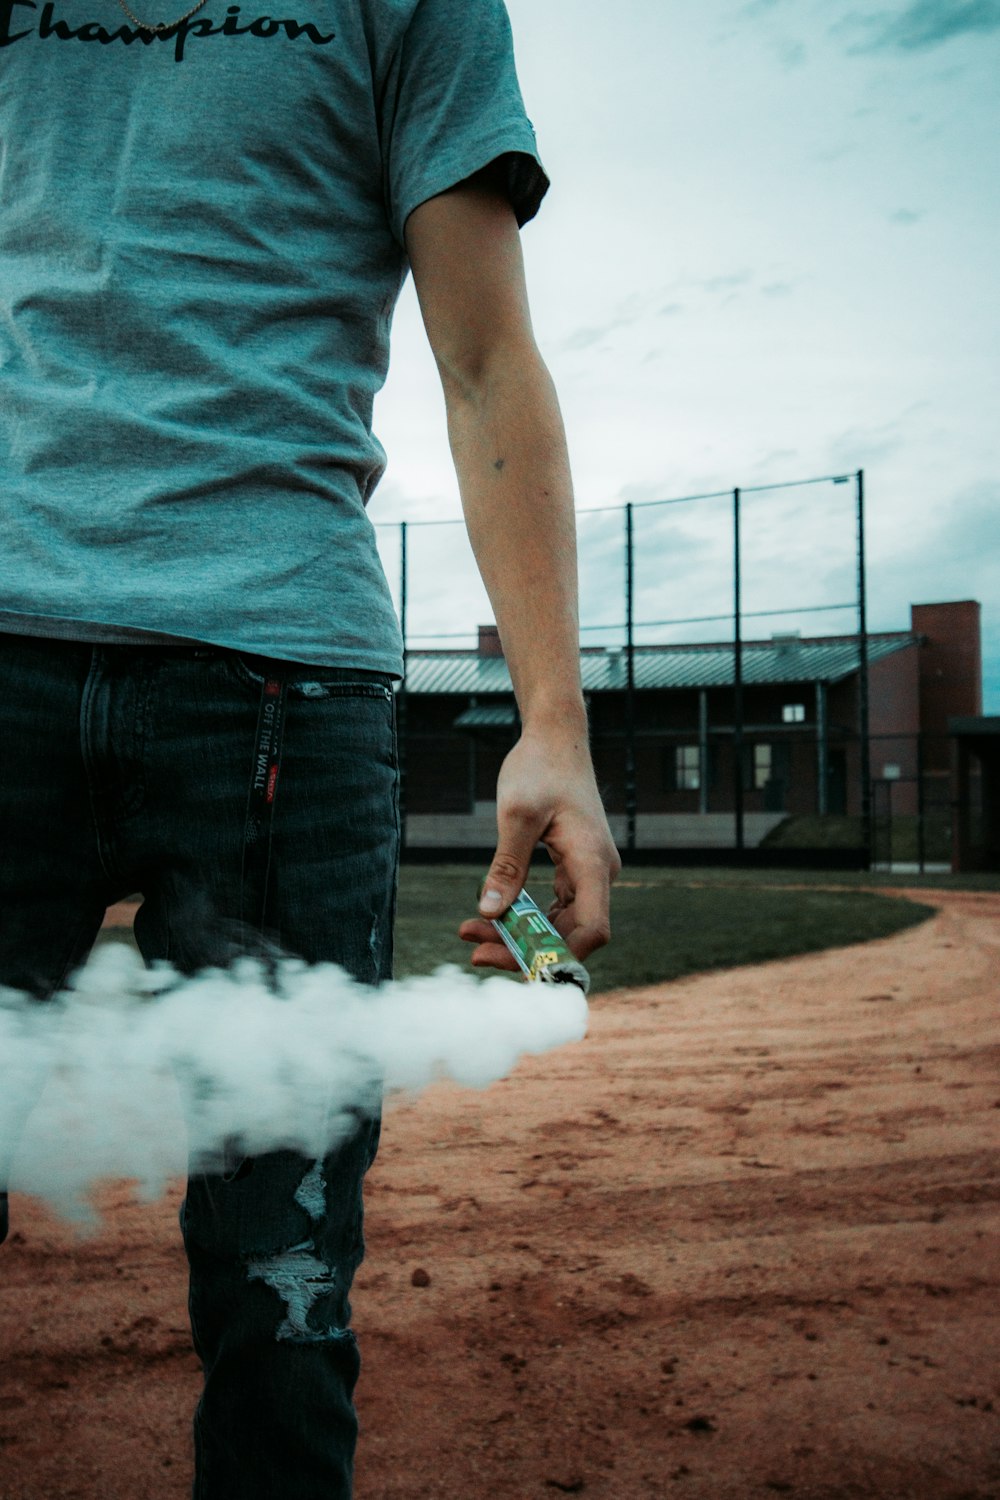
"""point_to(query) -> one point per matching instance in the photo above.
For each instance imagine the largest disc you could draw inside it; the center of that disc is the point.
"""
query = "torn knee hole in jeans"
(300, 1279)
(297, 1274)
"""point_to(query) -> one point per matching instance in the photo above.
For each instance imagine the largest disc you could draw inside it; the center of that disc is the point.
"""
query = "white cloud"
(925, 24)
(721, 282)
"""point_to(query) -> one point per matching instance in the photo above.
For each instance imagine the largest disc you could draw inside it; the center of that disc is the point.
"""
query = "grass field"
(670, 922)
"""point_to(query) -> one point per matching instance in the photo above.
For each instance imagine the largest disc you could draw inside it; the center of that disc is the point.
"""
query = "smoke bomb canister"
(539, 949)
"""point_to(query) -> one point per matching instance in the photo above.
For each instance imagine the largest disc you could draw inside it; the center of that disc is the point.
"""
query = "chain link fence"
(727, 664)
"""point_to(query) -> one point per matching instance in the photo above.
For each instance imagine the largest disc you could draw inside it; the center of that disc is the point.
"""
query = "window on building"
(687, 763)
(763, 761)
(794, 713)
(681, 768)
(766, 764)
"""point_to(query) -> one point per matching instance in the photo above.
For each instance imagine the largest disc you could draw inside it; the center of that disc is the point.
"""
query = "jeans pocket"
(304, 681)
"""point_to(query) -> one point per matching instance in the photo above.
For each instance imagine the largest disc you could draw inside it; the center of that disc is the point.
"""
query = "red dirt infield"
(742, 1241)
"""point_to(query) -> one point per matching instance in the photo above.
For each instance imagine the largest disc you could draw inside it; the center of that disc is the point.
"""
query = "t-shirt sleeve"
(453, 105)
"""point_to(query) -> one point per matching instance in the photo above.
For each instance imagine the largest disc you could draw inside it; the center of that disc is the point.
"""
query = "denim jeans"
(127, 769)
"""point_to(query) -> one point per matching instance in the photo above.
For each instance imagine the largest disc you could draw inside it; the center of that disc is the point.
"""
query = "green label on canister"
(539, 949)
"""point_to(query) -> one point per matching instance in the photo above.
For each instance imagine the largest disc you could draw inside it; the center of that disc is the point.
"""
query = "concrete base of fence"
(653, 830)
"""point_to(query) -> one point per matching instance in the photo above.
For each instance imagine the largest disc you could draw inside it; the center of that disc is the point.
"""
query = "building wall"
(448, 770)
(976, 798)
(451, 773)
(951, 670)
(894, 721)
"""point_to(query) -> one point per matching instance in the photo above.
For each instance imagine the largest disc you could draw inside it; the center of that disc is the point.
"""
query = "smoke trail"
(132, 1070)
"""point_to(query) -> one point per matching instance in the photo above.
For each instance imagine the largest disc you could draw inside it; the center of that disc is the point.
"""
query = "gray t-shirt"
(201, 246)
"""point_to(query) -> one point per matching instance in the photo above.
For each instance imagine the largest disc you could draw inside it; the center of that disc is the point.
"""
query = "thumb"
(508, 872)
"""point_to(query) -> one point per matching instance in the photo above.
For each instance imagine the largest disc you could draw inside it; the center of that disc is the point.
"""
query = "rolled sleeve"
(452, 106)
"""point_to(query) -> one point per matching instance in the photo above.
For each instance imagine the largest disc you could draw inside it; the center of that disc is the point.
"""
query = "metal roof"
(977, 725)
(488, 716)
(789, 660)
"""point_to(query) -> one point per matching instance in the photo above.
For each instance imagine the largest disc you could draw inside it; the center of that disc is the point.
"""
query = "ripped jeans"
(129, 768)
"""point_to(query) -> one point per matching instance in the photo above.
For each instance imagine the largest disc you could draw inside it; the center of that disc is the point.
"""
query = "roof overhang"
(980, 728)
(488, 716)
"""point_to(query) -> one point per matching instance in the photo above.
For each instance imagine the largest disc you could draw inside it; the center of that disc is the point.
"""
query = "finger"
(490, 951)
(560, 903)
(591, 910)
(563, 887)
(494, 956)
(508, 872)
(490, 956)
(477, 930)
(560, 910)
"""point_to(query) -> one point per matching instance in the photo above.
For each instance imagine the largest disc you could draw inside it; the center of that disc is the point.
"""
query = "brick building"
(670, 750)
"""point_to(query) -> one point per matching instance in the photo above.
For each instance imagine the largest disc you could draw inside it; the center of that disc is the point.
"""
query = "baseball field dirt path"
(742, 1241)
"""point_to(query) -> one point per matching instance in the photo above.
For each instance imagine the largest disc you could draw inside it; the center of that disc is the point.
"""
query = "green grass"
(810, 831)
(669, 922)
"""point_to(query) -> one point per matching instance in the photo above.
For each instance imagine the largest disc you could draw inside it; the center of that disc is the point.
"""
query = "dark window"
(681, 768)
(687, 761)
(764, 763)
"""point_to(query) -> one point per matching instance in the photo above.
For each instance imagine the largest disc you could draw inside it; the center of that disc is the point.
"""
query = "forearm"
(509, 448)
(510, 456)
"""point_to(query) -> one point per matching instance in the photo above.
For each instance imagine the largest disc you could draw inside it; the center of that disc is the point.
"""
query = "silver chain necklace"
(160, 25)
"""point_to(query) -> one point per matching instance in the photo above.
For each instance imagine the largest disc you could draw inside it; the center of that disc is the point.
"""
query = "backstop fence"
(728, 669)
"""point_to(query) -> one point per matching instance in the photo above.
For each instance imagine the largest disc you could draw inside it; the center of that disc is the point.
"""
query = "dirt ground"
(740, 1242)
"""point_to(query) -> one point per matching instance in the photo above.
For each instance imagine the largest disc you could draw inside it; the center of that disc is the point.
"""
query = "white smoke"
(131, 1071)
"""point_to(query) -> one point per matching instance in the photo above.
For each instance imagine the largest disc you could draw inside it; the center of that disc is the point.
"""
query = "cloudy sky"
(769, 254)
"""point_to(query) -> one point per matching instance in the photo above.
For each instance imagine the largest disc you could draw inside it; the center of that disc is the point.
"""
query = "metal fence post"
(401, 699)
(737, 674)
(630, 783)
(822, 751)
(704, 754)
(921, 805)
(864, 687)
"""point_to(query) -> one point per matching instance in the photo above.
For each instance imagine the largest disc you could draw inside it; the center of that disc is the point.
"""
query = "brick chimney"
(489, 641)
(951, 666)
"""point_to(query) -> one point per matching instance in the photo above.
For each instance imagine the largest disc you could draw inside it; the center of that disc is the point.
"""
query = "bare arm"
(510, 456)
